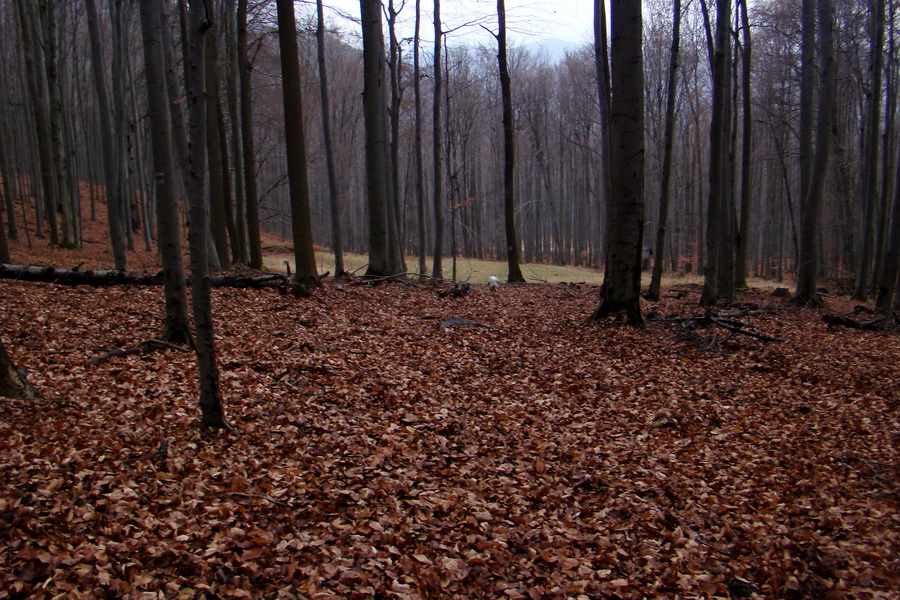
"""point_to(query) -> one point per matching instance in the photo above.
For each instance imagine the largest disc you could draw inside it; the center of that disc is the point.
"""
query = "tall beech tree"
(437, 269)
(177, 325)
(211, 406)
(808, 263)
(509, 146)
(295, 139)
(334, 203)
(665, 185)
(375, 115)
(248, 145)
(718, 282)
(622, 280)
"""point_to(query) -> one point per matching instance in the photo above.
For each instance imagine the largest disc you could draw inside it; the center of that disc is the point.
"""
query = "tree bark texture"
(509, 159)
(622, 279)
(211, 409)
(177, 324)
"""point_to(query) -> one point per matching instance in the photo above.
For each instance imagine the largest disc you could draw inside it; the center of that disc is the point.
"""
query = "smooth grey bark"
(889, 278)
(872, 129)
(211, 408)
(295, 139)
(232, 79)
(601, 58)
(247, 142)
(743, 238)
(37, 92)
(214, 158)
(177, 327)
(622, 279)
(392, 123)
(47, 10)
(720, 134)
(437, 270)
(671, 93)
(807, 95)
(334, 200)
(420, 162)
(374, 112)
(509, 148)
(808, 267)
(110, 168)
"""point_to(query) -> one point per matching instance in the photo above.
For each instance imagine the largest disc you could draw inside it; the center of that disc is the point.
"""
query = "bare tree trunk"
(601, 57)
(232, 78)
(743, 238)
(509, 160)
(334, 200)
(211, 409)
(622, 280)
(395, 220)
(660, 258)
(872, 128)
(808, 269)
(380, 263)
(717, 221)
(889, 279)
(47, 11)
(37, 90)
(437, 270)
(304, 258)
(253, 231)
(113, 200)
(177, 327)
(214, 156)
(420, 168)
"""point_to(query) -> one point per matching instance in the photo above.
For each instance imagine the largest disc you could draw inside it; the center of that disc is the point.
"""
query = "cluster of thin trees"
(718, 137)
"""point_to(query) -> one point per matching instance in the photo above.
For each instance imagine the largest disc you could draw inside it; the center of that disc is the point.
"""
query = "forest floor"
(378, 453)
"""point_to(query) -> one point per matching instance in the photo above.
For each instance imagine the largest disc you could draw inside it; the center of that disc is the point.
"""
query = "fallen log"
(105, 278)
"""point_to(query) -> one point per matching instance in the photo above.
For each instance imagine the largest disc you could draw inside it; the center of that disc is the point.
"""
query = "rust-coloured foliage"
(379, 454)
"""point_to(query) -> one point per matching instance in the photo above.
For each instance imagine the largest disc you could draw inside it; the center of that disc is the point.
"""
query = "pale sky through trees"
(527, 20)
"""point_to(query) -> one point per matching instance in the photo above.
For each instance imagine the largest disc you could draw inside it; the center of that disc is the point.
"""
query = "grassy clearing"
(478, 271)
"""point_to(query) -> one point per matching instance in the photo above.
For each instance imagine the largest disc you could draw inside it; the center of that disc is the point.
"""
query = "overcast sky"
(527, 20)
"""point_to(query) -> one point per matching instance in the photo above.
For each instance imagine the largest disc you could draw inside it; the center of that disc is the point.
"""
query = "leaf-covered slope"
(379, 454)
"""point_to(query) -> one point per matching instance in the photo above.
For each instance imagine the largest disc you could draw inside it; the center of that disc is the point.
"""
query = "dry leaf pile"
(379, 454)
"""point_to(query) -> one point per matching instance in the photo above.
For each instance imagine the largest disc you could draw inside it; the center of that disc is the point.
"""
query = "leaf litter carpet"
(379, 454)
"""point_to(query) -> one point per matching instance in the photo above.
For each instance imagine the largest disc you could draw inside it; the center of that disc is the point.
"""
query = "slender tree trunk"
(47, 10)
(376, 144)
(249, 146)
(232, 78)
(870, 153)
(808, 269)
(509, 146)
(177, 325)
(889, 278)
(334, 200)
(304, 257)
(211, 409)
(622, 280)
(660, 258)
(37, 91)
(717, 221)
(395, 213)
(420, 167)
(601, 57)
(437, 270)
(214, 157)
(743, 238)
(113, 200)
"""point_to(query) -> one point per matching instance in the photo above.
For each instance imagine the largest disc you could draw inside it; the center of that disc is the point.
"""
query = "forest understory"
(379, 453)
